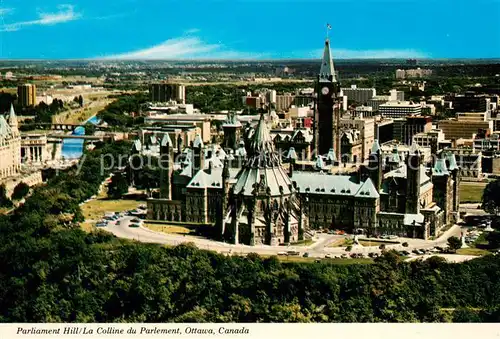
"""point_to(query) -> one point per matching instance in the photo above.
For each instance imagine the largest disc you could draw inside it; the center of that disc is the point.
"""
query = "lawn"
(95, 209)
(371, 243)
(472, 191)
(305, 242)
(169, 229)
(336, 261)
(472, 251)
(341, 243)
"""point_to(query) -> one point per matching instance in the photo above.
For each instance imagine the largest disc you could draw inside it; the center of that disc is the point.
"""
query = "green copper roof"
(375, 147)
(327, 68)
(440, 168)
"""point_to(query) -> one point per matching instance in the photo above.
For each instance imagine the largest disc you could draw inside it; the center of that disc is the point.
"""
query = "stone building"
(10, 146)
(244, 192)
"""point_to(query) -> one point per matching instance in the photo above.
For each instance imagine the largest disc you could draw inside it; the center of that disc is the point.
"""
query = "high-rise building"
(328, 92)
(284, 102)
(165, 92)
(358, 95)
(406, 128)
(26, 95)
(399, 109)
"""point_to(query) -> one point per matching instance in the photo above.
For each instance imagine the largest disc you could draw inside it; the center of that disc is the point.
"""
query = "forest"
(52, 271)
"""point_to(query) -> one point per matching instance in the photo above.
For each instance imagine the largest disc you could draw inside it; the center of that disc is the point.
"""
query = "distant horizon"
(247, 60)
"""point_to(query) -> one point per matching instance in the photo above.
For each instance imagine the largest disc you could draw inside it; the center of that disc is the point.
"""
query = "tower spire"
(327, 71)
(13, 120)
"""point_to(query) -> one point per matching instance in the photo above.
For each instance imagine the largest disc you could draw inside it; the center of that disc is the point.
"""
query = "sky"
(248, 29)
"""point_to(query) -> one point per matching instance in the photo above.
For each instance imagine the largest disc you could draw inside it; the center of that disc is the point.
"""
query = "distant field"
(472, 191)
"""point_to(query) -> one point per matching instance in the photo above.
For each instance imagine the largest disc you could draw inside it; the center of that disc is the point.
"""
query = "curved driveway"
(317, 250)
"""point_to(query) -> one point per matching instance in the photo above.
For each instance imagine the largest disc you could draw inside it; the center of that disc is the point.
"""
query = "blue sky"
(248, 29)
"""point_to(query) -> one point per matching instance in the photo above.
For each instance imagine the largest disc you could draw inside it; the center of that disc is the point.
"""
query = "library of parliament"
(252, 195)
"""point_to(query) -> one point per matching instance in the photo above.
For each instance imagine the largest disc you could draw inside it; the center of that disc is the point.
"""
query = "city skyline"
(365, 30)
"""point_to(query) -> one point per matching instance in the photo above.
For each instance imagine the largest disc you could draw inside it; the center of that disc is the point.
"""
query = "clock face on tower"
(325, 90)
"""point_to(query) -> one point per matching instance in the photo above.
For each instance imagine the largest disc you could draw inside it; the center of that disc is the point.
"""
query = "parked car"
(416, 251)
(282, 253)
(101, 224)
(328, 256)
(137, 220)
(392, 237)
(306, 255)
(134, 225)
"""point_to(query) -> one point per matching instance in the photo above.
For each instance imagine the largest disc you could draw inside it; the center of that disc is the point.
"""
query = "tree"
(80, 101)
(20, 191)
(4, 200)
(454, 243)
(118, 186)
(491, 198)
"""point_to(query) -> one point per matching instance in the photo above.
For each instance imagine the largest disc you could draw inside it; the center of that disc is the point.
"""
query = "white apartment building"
(400, 109)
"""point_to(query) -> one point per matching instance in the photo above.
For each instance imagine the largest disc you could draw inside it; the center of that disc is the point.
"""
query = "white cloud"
(5, 11)
(66, 13)
(370, 54)
(192, 31)
(183, 48)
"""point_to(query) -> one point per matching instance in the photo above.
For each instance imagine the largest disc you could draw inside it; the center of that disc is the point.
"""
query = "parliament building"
(251, 195)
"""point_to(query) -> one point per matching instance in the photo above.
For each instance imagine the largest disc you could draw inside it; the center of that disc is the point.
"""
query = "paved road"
(317, 250)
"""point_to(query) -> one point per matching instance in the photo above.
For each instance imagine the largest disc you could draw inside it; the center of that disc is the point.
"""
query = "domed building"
(263, 207)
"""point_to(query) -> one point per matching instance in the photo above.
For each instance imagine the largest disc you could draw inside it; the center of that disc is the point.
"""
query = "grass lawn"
(472, 251)
(374, 243)
(341, 243)
(95, 209)
(472, 191)
(306, 242)
(168, 229)
(336, 261)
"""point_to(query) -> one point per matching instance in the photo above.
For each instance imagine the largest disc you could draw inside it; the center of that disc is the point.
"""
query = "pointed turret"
(375, 165)
(320, 164)
(5, 130)
(331, 158)
(167, 167)
(13, 120)
(452, 161)
(440, 168)
(166, 141)
(375, 147)
(327, 70)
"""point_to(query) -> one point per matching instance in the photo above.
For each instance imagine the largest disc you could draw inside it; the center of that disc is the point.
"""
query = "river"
(73, 148)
